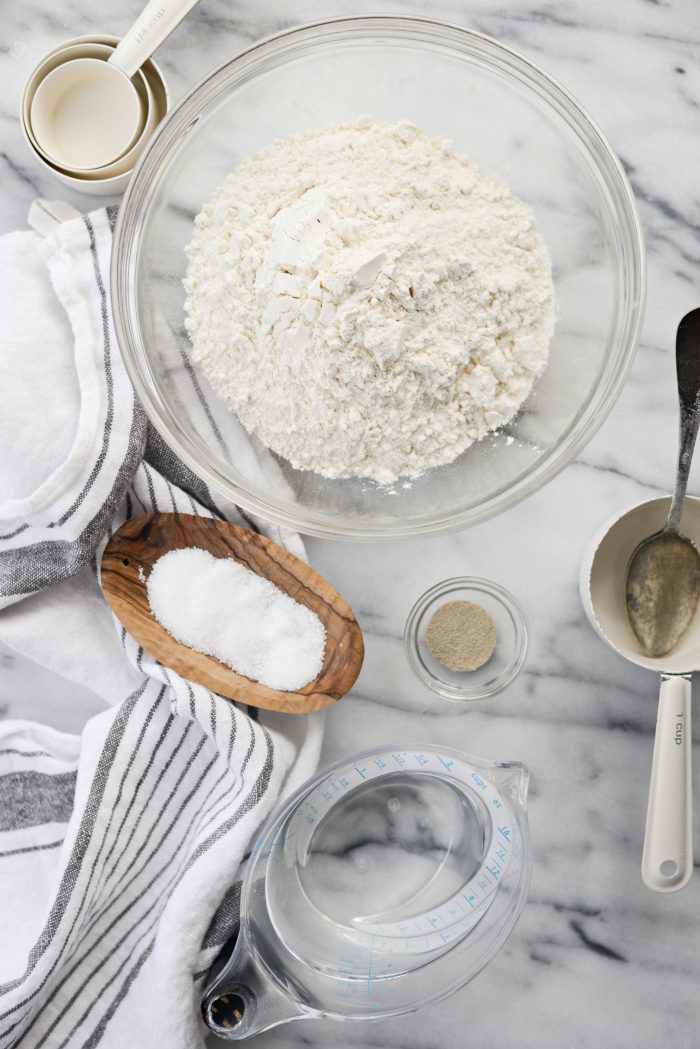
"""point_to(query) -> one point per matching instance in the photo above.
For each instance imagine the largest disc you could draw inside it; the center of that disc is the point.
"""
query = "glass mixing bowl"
(500, 110)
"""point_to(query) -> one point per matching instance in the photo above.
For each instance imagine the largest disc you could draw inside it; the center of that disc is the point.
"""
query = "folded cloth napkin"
(120, 848)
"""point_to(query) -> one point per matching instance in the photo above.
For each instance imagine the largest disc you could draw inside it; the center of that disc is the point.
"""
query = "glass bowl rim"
(630, 253)
(467, 693)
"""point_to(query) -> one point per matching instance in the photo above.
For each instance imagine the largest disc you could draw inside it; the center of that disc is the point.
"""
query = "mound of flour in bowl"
(367, 301)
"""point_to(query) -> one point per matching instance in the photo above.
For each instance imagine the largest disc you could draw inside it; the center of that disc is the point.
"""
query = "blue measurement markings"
(281, 839)
(310, 813)
(364, 975)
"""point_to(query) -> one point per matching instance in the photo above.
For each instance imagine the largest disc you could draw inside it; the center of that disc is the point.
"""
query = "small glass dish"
(511, 640)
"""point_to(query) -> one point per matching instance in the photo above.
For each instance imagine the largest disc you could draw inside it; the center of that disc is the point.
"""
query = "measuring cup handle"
(667, 860)
(154, 24)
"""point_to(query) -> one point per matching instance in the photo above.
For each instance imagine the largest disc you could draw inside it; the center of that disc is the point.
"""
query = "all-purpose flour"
(367, 301)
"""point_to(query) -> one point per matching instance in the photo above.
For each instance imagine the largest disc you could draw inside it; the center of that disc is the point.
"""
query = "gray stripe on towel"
(171, 467)
(135, 792)
(105, 934)
(27, 569)
(226, 919)
(30, 848)
(255, 794)
(96, 1036)
(146, 807)
(87, 827)
(26, 753)
(78, 994)
(29, 798)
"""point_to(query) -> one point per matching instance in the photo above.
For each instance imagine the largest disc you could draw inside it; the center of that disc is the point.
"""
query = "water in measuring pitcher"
(386, 882)
(361, 894)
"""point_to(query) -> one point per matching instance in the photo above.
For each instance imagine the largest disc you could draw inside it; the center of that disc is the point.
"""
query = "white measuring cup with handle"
(87, 113)
(667, 857)
(385, 883)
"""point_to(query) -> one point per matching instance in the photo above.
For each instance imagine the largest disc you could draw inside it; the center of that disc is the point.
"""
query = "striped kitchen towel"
(120, 848)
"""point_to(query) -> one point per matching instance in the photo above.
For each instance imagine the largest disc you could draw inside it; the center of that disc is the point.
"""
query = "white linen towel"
(119, 849)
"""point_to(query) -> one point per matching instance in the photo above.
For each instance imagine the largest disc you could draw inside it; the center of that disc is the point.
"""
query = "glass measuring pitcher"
(385, 883)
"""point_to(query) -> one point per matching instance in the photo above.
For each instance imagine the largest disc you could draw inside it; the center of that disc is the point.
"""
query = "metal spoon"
(663, 578)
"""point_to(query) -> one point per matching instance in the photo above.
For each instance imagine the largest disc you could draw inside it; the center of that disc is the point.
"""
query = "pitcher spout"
(513, 780)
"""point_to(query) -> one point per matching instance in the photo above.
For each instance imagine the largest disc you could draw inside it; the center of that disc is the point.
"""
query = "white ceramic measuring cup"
(667, 859)
(102, 181)
(103, 52)
(88, 113)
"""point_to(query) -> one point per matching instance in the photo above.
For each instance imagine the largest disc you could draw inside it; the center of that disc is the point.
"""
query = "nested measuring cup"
(384, 884)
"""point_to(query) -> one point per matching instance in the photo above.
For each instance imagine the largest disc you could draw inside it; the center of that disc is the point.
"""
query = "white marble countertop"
(597, 959)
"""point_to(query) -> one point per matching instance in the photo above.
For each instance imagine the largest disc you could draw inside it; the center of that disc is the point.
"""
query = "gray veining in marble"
(597, 960)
